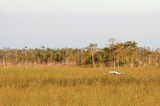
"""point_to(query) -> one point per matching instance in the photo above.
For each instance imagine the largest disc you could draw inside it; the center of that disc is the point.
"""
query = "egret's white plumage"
(114, 72)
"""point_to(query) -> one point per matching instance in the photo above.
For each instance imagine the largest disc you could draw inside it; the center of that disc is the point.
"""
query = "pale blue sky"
(76, 23)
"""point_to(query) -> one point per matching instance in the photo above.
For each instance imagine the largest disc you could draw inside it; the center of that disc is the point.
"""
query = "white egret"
(114, 72)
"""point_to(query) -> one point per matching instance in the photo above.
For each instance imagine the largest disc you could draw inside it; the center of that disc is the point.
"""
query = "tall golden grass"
(74, 86)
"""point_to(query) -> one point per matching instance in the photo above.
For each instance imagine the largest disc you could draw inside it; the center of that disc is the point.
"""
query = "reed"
(73, 86)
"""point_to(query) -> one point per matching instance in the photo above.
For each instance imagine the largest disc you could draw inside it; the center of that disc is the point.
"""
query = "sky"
(77, 23)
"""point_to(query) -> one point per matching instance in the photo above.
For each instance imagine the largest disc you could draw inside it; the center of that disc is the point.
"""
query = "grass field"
(74, 86)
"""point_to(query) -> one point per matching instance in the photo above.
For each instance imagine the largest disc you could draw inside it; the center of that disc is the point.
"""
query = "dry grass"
(74, 86)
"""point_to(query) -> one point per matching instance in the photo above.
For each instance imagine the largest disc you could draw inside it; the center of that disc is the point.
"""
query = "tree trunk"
(114, 62)
(149, 59)
(100, 61)
(131, 61)
(4, 65)
(118, 60)
(93, 60)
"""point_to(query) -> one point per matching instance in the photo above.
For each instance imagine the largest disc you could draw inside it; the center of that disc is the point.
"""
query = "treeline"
(126, 54)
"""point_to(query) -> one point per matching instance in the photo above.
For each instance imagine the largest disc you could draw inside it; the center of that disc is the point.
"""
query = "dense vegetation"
(115, 55)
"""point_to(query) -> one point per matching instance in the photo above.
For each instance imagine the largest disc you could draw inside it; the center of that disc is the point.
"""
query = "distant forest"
(126, 54)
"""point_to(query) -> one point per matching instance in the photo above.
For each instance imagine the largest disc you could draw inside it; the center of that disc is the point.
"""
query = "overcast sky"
(76, 23)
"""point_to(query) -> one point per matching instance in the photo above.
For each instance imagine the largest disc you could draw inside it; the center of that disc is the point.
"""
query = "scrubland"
(79, 86)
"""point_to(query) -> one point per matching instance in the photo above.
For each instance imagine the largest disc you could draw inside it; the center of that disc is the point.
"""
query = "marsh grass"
(71, 86)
